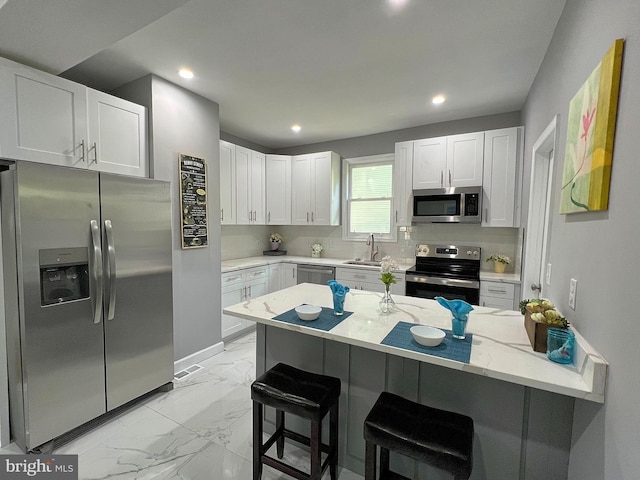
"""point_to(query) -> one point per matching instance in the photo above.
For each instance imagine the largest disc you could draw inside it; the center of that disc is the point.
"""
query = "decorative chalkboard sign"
(193, 202)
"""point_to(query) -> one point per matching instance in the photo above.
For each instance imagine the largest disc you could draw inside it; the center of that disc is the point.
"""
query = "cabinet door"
(300, 190)
(495, 302)
(257, 183)
(429, 163)
(117, 140)
(231, 295)
(43, 117)
(325, 189)
(465, 154)
(278, 177)
(288, 275)
(227, 183)
(403, 183)
(275, 277)
(244, 211)
(500, 179)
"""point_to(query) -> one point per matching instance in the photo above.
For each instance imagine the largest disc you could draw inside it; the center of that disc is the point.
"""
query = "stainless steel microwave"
(448, 205)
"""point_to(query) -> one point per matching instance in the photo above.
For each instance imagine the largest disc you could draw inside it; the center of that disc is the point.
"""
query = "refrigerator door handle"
(97, 271)
(111, 270)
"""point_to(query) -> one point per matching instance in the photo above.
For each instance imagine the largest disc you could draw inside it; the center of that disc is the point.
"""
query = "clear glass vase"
(387, 305)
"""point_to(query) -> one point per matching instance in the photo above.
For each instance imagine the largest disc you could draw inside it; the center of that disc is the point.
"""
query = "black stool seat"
(307, 395)
(436, 437)
(295, 391)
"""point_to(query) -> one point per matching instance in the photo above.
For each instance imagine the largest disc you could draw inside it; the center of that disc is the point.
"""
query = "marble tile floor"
(199, 431)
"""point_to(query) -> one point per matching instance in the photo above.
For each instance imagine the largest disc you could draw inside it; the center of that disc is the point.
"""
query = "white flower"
(499, 258)
(316, 248)
(276, 238)
(388, 264)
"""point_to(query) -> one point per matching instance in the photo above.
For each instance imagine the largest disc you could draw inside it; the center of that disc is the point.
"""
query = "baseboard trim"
(198, 356)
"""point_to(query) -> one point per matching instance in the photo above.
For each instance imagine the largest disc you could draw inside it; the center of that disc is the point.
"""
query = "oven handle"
(454, 282)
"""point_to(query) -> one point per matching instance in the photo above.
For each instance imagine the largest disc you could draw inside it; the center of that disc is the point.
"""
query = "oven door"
(423, 286)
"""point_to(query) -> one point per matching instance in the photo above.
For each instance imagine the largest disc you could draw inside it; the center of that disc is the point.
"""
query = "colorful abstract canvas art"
(590, 134)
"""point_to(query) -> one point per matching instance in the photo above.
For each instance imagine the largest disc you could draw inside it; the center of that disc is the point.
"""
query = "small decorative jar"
(275, 246)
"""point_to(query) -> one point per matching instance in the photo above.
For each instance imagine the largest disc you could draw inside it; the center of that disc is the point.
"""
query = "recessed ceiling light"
(185, 73)
(296, 128)
(437, 100)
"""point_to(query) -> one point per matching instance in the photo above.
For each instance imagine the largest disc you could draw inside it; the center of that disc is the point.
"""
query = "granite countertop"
(500, 347)
(260, 261)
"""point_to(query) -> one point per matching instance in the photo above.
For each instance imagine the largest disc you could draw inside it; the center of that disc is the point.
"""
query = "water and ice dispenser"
(64, 275)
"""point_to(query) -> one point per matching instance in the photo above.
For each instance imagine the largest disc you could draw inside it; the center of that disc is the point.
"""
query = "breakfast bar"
(521, 402)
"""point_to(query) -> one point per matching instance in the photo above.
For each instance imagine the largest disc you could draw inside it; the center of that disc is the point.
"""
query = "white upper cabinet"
(443, 162)
(227, 183)
(403, 183)
(502, 177)
(315, 191)
(429, 163)
(43, 117)
(465, 154)
(278, 175)
(48, 119)
(117, 135)
(250, 187)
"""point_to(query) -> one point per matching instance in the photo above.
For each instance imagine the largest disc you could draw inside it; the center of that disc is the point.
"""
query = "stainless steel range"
(448, 271)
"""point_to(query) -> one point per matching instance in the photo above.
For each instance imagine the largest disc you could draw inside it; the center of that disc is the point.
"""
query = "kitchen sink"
(362, 262)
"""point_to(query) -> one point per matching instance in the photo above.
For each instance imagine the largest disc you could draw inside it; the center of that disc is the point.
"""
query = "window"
(368, 202)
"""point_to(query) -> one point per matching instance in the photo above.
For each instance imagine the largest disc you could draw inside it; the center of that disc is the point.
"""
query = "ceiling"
(339, 68)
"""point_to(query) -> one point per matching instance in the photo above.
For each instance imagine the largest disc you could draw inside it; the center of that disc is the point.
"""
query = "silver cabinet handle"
(269, 217)
(97, 271)
(486, 214)
(307, 217)
(496, 290)
(222, 214)
(244, 294)
(94, 147)
(449, 177)
(249, 291)
(396, 216)
(359, 276)
(311, 217)
(442, 178)
(82, 150)
(111, 270)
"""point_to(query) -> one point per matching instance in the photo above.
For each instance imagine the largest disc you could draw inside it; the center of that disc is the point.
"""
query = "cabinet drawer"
(231, 278)
(256, 273)
(356, 275)
(497, 289)
(497, 302)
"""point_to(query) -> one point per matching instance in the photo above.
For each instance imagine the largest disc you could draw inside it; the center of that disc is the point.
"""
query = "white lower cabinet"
(237, 287)
(282, 275)
(497, 295)
(360, 279)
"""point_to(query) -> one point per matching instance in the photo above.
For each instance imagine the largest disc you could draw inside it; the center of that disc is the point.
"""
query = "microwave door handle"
(111, 270)
(97, 271)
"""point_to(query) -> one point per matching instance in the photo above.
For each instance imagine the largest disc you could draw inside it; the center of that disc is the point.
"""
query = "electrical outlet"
(573, 287)
(547, 278)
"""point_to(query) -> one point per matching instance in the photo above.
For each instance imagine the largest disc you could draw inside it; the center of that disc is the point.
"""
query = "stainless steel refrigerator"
(88, 299)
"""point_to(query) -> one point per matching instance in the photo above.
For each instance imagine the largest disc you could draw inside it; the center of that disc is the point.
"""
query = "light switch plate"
(573, 287)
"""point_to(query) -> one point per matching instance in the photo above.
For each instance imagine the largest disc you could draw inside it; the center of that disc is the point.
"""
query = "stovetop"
(448, 261)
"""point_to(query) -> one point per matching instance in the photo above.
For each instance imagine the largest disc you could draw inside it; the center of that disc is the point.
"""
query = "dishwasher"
(315, 274)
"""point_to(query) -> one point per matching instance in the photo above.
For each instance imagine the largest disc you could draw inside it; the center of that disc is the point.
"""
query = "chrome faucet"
(372, 252)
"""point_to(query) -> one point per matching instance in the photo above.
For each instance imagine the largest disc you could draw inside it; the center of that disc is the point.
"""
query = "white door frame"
(537, 232)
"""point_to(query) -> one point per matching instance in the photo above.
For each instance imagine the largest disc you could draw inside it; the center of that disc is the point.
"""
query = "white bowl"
(427, 336)
(308, 312)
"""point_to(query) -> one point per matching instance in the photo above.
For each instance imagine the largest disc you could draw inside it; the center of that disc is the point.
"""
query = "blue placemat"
(451, 348)
(326, 321)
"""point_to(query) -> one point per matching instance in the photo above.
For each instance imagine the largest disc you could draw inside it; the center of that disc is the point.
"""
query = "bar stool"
(436, 437)
(307, 395)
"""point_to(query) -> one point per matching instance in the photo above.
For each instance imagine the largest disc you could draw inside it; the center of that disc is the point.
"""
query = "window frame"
(347, 165)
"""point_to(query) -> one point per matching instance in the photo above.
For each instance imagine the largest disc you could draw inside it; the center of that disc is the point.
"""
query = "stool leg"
(315, 442)
(279, 426)
(384, 461)
(333, 441)
(257, 440)
(370, 461)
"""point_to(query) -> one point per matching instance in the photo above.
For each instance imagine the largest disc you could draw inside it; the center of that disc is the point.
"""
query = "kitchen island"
(521, 403)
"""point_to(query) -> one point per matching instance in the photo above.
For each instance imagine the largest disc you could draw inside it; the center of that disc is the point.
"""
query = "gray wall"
(597, 248)
(385, 142)
(183, 122)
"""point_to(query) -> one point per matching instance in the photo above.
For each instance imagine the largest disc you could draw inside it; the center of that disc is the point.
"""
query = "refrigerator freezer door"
(136, 222)
(61, 346)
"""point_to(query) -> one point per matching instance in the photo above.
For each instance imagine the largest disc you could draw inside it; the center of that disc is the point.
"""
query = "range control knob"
(475, 252)
(469, 252)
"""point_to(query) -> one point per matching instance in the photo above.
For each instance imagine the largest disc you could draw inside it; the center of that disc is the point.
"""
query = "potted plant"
(540, 314)
(275, 239)
(500, 262)
(316, 248)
